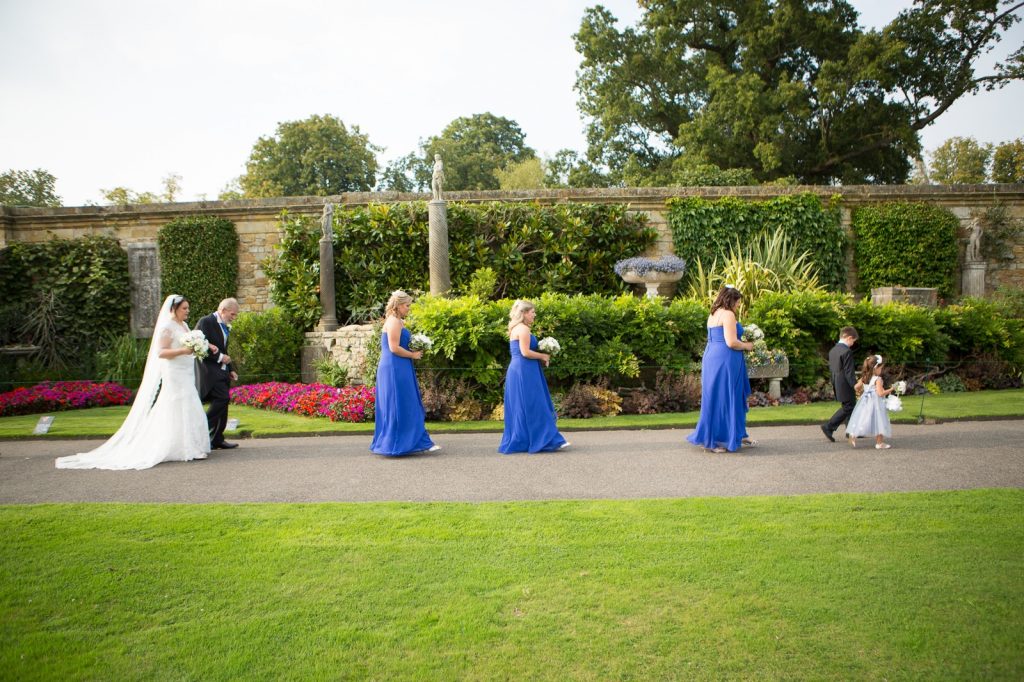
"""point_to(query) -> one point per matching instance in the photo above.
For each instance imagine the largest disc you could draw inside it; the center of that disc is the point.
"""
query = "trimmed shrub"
(265, 347)
(705, 230)
(905, 244)
(65, 295)
(199, 259)
(381, 247)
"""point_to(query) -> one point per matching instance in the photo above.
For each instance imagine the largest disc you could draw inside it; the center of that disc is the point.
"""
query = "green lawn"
(101, 422)
(892, 586)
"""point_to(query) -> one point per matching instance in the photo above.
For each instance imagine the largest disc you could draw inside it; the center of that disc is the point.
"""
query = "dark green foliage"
(122, 359)
(199, 259)
(905, 244)
(804, 325)
(81, 288)
(900, 333)
(706, 229)
(266, 347)
(1002, 231)
(383, 247)
(978, 328)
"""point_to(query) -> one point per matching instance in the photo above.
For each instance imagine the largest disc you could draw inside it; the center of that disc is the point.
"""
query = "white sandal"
(882, 446)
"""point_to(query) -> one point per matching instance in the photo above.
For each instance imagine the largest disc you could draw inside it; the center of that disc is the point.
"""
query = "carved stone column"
(440, 273)
(329, 317)
(144, 274)
(973, 279)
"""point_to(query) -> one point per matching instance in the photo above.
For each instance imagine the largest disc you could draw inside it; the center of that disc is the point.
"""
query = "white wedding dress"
(166, 422)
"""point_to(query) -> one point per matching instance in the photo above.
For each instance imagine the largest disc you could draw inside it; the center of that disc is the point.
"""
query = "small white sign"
(232, 425)
(42, 426)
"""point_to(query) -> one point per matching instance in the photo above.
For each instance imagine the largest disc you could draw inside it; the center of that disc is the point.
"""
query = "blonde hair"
(519, 308)
(398, 297)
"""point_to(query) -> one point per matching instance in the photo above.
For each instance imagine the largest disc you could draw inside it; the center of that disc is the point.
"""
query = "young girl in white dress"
(870, 418)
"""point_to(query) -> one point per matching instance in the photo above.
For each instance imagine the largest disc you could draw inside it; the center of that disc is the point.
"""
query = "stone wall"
(346, 345)
(257, 219)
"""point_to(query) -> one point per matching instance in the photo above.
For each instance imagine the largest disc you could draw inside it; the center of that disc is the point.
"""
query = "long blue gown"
(529, 413)
(724, 389)
(398, 427)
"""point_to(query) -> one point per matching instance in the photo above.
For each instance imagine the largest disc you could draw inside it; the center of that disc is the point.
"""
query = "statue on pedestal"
(437, 179)
(327, 222)
(974, 241)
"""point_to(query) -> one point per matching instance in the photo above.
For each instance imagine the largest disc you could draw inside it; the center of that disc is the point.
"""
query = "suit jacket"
(210, 369)
(844, 376)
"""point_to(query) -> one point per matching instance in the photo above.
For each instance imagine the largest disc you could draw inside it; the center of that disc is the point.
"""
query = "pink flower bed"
(63, 395)
(348, 404)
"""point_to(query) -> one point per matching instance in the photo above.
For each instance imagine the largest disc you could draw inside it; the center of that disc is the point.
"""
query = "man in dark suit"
(216, 371)
(844, 380)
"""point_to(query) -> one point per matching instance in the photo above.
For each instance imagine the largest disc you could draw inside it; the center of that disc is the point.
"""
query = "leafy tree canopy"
(1008, 162)
(780, 87)
(473, 148)
(318, 156)
(960, 161)
(28, 188)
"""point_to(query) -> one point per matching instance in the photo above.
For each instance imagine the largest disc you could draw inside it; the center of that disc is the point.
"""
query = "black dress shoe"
(227, 446)
(828, 434)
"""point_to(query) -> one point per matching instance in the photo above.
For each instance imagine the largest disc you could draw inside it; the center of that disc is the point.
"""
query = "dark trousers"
(842, 415)
(217, 414)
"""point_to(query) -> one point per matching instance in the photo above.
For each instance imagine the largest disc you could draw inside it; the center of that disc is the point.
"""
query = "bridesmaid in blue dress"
(529, 412)
(398, 427)
(724, 383)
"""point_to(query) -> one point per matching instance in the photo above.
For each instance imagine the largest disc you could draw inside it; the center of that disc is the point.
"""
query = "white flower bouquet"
(420, 342)
(752, 333)
(549, 345)
(893, 403)
(196, 341)
(899, 388)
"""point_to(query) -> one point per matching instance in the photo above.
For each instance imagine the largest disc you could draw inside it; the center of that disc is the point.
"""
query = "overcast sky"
(123, 92)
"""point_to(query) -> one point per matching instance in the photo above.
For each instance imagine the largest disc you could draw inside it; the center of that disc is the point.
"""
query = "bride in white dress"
(166, 422)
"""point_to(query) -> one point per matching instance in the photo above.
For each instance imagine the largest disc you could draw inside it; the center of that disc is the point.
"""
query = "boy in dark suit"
(844, 380)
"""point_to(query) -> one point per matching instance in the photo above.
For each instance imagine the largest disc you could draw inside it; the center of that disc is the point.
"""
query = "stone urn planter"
(651, 272)
(775, 372)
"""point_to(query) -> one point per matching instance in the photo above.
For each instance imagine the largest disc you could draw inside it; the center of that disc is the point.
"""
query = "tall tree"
(318, 156)
(781, 87)
(1008, 162)
(473, 148)
(28, 188)
(960, 161)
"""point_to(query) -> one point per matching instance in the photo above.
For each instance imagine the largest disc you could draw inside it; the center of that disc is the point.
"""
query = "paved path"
(600, 464)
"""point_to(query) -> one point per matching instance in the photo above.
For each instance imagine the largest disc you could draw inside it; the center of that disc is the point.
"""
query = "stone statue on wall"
(437, 179)
(974, 241)
(327, 221)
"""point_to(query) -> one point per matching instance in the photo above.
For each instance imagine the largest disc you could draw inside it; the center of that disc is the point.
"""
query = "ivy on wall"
(72, 291)
(905, 244)
(199, 259)
(706, 229)
(568, 248)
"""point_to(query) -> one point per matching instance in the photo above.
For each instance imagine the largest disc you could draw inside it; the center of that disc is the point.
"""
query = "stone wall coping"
(309, 204)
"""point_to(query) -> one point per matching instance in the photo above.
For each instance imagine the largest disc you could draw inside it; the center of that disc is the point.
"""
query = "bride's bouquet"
(420, 342)
(196, 341)
(549, 345)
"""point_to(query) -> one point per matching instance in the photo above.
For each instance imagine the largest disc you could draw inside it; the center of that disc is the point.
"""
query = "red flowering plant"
(52, 396)
(350, 403)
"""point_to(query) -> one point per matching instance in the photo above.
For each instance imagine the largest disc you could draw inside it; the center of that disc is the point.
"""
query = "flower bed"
(349, 404)
(62, 395)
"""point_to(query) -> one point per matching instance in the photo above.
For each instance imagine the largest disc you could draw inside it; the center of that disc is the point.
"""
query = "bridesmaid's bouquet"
(196, 341)
(420, 342)
(892, 401)
(549, 345)
(753, 334)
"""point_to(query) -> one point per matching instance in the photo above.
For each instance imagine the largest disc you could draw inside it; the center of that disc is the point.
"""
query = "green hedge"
(83, 283)
(266, 347)
(199, 259)
(905, 244)
(378, 248)
(706, 229)
(618, 337)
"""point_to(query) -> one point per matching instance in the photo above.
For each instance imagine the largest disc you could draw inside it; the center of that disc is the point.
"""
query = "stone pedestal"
(922, 296)
(440, 272)
(774, 373)
(973, 283)
(329, 317)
